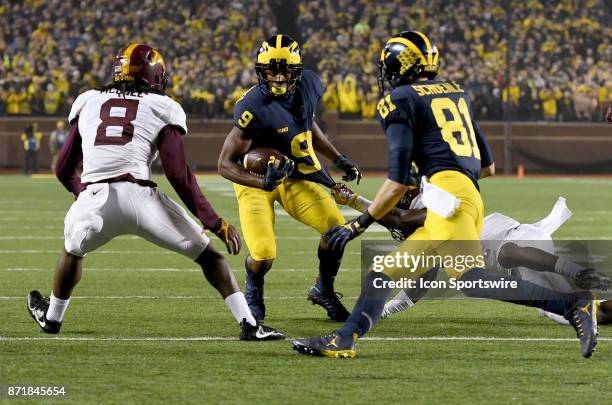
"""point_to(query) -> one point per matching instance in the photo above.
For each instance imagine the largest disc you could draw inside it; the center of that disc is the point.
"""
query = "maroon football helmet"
(140, 63)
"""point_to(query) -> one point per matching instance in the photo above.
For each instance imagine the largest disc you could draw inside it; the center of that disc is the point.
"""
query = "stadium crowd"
(560, 51)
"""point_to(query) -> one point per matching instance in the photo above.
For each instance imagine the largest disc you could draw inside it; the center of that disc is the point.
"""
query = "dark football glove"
(351, 170)
(277, 172)
(339, 236)
(228, 234)
(590, 279)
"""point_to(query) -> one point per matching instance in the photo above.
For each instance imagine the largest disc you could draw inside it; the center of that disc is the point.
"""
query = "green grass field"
(144, 326)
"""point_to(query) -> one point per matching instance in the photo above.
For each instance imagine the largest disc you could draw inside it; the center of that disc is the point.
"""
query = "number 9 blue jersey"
(285, 125)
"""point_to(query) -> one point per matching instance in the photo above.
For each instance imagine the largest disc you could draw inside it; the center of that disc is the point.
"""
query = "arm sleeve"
(69, 159)
(400, 139)
(486, 156)
(172, 155)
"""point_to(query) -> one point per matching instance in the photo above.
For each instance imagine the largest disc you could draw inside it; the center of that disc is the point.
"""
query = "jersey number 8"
(465, 144)
(129, 108)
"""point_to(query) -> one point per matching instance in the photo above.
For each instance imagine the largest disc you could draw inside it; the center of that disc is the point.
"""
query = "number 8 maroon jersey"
(119, 133)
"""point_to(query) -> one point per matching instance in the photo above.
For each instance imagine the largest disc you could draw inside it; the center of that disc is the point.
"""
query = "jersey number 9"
(301, 147)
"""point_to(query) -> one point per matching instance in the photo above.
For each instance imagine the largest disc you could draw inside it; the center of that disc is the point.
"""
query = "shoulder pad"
(312, 81)
(396, 107)
(176, 115)
(79, 103)
(246, 109)
(402, 94)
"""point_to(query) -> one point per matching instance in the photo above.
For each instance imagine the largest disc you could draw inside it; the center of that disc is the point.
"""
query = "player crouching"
(116, 132)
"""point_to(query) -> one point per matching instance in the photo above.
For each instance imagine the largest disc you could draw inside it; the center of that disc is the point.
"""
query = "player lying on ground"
(278, 113)
(526, 250)
(431, 122)
(116, 133)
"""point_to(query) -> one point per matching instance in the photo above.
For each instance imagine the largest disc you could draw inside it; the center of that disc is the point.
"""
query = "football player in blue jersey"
(430, 122)
(278, 113)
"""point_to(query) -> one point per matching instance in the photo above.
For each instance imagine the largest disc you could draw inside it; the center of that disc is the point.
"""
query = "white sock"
(400, 302)
(567, 267)
(239, 307)
(57, 308)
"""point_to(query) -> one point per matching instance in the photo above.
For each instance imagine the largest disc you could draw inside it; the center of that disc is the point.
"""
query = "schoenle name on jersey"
(438, 88)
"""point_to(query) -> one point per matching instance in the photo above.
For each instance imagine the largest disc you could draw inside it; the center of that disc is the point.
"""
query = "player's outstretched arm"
(172, 155)
(69, 159)
(396, 218)
(235, 146)
(322, 144)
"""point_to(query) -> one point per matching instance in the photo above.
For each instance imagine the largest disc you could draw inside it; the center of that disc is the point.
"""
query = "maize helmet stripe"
(428, 46)
(127, 54)
(410, 45)
(289, 53)
(158, 58)
(279, 53)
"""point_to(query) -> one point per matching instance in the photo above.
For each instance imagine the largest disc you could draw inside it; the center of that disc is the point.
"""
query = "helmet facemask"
(279, 54)
(292, 72)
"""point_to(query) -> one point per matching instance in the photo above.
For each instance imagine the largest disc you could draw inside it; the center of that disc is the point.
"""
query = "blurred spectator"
(57, 138)
(553, 47)
(584, 103)
(31, 138)
(53, 50)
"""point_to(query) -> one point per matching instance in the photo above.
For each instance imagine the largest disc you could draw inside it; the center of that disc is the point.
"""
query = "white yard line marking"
(154, 270)
(372, 338)
(108, 252)
(152, 297)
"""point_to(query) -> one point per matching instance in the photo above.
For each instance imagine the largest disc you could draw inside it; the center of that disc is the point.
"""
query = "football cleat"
(259, 332)
(331, 303)
(583, 317)
(254, 294)
(37, 307)
(332, 345)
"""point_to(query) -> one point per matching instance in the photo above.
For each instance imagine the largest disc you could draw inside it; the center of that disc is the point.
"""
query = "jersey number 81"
(465, 144)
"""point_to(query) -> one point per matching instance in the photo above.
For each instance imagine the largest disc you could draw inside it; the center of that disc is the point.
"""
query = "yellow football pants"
(458, 235)
(305, 201)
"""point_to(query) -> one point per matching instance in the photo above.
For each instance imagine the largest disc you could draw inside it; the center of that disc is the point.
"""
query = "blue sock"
(526, 293)
(329, 264)
(369, 306)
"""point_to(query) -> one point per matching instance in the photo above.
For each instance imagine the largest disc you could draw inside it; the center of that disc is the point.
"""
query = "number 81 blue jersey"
(435, 126)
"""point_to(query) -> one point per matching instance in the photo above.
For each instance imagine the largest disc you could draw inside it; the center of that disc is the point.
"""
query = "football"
(256, 160)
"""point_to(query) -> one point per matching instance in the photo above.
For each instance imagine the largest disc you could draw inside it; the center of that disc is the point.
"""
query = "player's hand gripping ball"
(256, 160)
(278, 170)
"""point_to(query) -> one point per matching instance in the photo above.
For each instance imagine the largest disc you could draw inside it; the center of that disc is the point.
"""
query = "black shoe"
(583, 317)
(332, 345)
(254, 294)
(37, 307)
(259, 332)
(331, 303)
